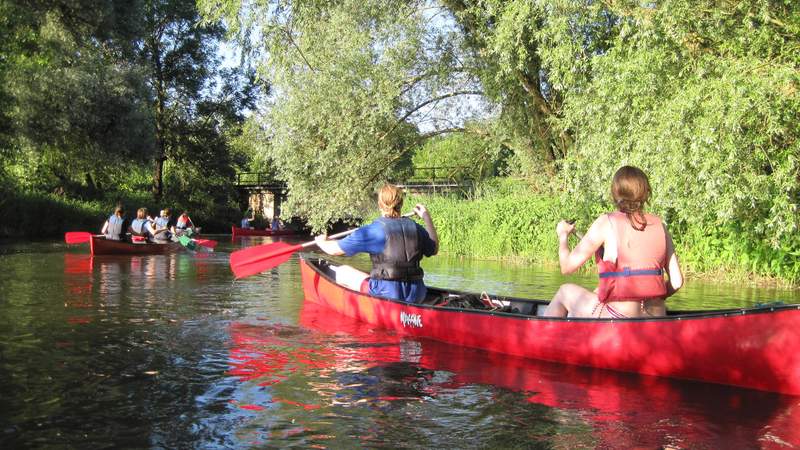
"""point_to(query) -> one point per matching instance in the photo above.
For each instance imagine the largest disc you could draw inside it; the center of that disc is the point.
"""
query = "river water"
(170, 352)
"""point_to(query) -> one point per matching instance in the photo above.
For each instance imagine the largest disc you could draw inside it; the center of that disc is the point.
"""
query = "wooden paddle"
(253, 260)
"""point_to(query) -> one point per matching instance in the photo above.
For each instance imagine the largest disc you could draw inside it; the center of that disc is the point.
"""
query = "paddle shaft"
(345, 233)
(260, 257)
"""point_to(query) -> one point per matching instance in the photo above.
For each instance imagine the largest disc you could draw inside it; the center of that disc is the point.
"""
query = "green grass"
(509, 223)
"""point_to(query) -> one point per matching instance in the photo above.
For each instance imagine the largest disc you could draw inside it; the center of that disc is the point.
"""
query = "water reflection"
(167, 351)
(351, 372)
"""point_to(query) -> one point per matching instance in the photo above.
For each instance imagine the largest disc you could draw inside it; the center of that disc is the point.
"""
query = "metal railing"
(435, 178)
(438, 174)
(254, 179)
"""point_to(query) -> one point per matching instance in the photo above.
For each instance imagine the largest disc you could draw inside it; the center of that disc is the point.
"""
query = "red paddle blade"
(253, 260)
(208, 243)
(77, 237)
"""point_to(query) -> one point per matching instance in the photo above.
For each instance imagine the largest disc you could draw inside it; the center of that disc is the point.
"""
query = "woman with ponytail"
(395, 243)
(633, 251)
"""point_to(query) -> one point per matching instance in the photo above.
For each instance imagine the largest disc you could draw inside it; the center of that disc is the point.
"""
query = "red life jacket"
(638, 271)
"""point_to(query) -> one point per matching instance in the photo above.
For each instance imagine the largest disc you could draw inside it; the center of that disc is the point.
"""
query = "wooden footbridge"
(427, 180)
(260, 190)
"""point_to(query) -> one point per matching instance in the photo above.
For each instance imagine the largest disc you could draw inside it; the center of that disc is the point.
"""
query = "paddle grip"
(577, 234)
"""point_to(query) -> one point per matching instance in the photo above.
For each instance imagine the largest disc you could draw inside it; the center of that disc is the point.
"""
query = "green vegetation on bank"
(119, 100)
(37, 215)
(505, 220)
(130, 100)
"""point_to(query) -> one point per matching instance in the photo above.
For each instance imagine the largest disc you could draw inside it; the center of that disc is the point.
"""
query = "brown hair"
(167, 212)
(390, 200)
(141, 213)
(119, 210)
(630, 191)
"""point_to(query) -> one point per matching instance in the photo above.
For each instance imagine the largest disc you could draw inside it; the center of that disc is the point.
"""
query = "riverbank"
(34, 215)
(511, 223)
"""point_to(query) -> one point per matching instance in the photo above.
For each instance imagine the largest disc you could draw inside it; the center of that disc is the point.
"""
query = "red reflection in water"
(78, 285)
(78, 263)
(264, 354)
(624, 410)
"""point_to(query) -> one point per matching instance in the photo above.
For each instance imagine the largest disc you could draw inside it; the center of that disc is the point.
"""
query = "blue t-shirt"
(372, 239)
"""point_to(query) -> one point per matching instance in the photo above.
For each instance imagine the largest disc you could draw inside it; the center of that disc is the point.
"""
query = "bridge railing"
(253, 179)
(434, 178)
(439, 174)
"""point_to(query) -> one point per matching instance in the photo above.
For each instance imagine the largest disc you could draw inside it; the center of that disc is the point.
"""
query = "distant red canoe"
(102, 246)
(236, 231)
(749, 347)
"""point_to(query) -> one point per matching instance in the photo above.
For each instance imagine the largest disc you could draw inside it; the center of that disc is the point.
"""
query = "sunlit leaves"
(701, 95)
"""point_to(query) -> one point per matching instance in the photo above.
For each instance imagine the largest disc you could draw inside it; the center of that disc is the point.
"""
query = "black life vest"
(401, 254)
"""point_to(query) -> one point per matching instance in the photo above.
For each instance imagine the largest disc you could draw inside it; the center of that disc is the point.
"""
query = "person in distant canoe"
(163, 224)
(396, 245)
(142, 226)
(184, 225)
(276, 223)
(114, 228)
(633, 250)
(247, 220)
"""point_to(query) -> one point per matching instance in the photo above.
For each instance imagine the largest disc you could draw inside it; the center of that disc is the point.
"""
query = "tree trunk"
(158, 178)
(160, 119)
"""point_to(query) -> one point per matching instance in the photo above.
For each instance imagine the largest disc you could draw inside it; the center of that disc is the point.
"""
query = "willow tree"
(701, 94)
(352, 82)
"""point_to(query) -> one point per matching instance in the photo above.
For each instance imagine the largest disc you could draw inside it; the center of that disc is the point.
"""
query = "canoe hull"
(102, 246)
(752, 348)
(236, 232)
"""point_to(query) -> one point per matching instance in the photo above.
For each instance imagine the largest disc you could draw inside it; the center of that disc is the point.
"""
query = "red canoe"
(751, 347)
(236, 232)
(102, 246)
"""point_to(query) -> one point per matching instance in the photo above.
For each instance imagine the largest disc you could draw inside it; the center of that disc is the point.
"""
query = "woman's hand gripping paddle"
(77, 237)
(260, 258)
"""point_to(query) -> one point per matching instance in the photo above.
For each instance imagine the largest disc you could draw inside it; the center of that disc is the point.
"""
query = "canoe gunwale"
(313, 261)
(745, 347)
(100, 246)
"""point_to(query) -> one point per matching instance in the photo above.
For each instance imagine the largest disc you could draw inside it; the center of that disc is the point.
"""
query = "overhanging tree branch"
(424, 104)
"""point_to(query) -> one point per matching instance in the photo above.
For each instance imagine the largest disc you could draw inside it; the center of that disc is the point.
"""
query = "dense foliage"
(505, 220)
(96, 98)
(349, 77)
(124, 99)
(703, 96)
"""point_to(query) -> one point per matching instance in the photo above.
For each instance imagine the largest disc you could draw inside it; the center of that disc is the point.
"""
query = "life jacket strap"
(627, 272)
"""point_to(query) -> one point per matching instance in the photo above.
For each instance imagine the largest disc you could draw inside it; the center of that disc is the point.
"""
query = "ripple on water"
(168, 351)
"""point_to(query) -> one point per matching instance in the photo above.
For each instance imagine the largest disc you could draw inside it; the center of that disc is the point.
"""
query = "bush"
(506, 220)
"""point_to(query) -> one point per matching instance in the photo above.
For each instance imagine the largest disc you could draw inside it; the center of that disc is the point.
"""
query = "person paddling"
(163, 224)
(396, 245)
(249, 217)
(276, 223)
(633, 250)
(114, 226)
(142, 227)
(184, 225)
